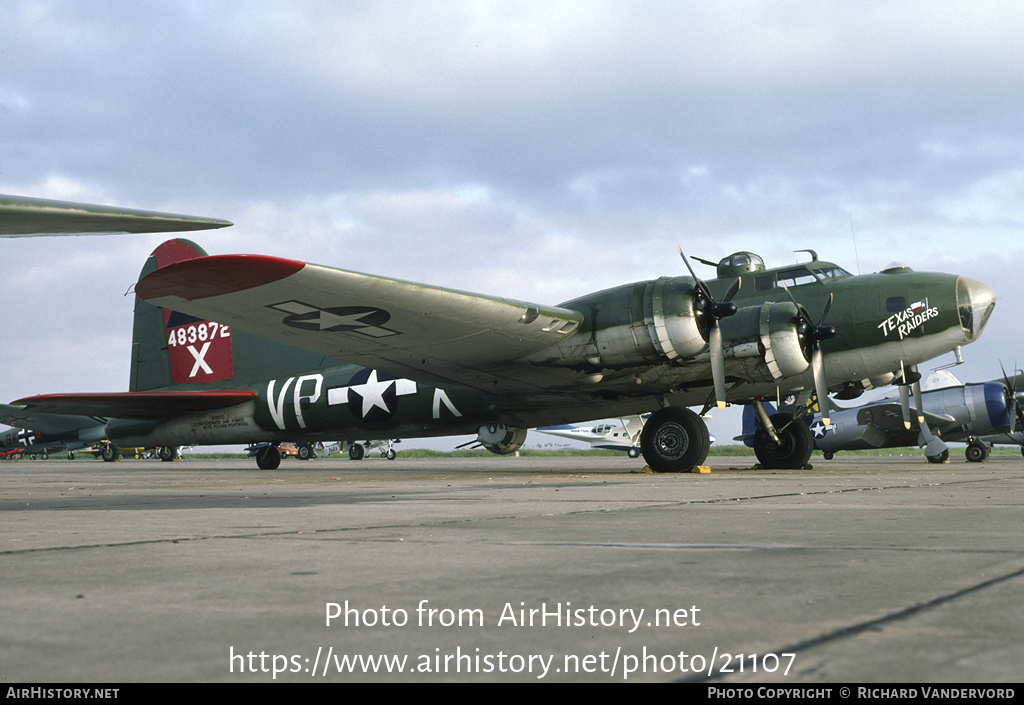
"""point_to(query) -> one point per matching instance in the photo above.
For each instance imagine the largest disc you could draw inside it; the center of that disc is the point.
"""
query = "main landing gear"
(784, 444)
(676, 439)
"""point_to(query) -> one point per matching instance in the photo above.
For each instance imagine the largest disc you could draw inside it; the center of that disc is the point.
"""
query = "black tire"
(356, 452)
(305, 451)
(268, 458)
(674, 439)
(793, 449)
(167, 453)
(940, 458)
(110, 453)
(975, 453)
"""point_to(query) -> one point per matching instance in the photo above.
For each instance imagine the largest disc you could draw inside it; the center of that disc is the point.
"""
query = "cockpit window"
(798, 276)
(831, 272)
(795, 277)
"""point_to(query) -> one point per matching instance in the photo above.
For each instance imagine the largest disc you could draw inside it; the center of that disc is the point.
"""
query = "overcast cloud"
(536, 150)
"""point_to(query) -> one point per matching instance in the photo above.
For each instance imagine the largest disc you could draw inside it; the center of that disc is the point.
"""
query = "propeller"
(909, 376)
(1016, 412)
(815, 334)
(705, 304)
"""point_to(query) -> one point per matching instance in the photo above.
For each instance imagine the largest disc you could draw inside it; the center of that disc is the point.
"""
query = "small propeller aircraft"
(250, 348)
(43, 434)
(978, 414)
(624, 435)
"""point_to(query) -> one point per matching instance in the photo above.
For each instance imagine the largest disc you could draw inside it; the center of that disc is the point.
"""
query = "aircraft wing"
(143, 405)
(426, 333)
(26, 217)
(889, 417)
(21, 417)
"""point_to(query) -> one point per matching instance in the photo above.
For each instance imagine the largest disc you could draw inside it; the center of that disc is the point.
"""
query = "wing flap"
(143, 405)
(428, 333)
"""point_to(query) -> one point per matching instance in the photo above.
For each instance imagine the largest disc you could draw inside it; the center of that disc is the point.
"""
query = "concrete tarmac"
(511, 569)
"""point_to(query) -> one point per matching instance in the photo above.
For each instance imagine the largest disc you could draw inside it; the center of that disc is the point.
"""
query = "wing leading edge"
(430, 334)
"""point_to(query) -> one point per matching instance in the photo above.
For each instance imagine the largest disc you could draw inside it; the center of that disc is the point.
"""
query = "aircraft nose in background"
(975, 301)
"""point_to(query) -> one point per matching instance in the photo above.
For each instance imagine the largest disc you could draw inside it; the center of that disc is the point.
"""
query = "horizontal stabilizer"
(25, 217)
(141, 405)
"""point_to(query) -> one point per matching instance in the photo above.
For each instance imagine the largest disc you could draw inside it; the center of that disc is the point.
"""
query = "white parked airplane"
(606, 435)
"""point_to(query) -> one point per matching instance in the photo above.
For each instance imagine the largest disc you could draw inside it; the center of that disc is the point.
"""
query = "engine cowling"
(767, 340)
(501, 439)
(641, 324)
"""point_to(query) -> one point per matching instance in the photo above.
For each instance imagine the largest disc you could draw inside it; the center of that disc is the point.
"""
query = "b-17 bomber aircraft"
(978, 414)
(250, 348)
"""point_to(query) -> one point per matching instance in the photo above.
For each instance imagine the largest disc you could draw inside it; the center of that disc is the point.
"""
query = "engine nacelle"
(767, 340)
(990, 405)
(501, 439)
(644, 323)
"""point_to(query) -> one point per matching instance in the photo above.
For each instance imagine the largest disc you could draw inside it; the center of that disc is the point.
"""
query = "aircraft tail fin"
(171, 350)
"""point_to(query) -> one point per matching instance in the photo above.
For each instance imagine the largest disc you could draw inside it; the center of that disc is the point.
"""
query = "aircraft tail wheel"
(110, 452)
(268, 458)
(674, 439)
(167, 453)
(793, 449)
(940, 458)
(356, 452)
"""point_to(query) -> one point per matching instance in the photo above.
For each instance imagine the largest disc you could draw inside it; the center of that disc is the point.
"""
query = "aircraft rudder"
(170, 348)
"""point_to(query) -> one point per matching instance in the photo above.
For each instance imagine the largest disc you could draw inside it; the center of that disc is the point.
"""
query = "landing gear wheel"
(674, 439)
(167, 453)
(391, 454)
(828, 455)
(356, 452)
(940, 458)
(305, 451)
(110, 452)
(268, 458)
(793, 449)
(976, 453)
(633, 452)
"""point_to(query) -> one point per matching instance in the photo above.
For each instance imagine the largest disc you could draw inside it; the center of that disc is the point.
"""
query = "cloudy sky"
(537, 150)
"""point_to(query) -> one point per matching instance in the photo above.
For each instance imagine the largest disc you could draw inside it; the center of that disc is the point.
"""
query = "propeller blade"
(715, 311)
(918, 399)
(824, 313)
(717, 364)
(905, 404)
(732, 290)
(820, 388)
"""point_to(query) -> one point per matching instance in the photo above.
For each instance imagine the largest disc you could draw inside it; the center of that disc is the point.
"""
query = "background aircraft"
(616, 434)
(428, 361)
(621, 434)
(978, 414)
(43, 434)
